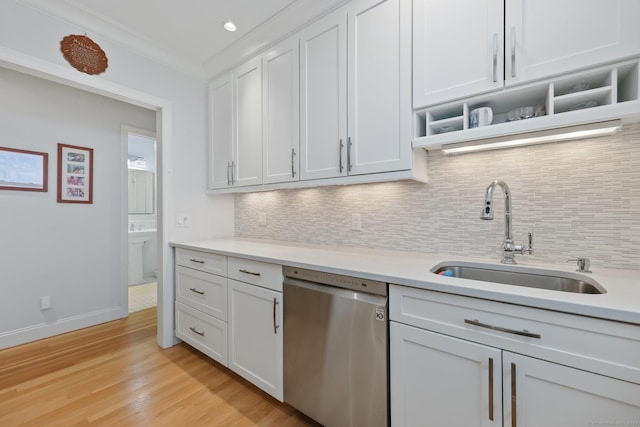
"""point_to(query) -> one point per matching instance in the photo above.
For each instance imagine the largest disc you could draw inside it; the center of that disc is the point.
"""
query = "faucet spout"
(508, 247)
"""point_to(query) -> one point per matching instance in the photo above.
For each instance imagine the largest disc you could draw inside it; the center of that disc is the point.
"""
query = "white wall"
(37, 35)
(70, 252)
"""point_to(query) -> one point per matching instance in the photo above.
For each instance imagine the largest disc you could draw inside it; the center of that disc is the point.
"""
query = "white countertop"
(621, 302)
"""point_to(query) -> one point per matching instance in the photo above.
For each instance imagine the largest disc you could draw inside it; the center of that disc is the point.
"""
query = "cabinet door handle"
(513, 51)
(196, 260)
(275, 327)
(491, 389)
(293, 170)
(495, 57)
(514, 415)
(249, 272)
(233, 167)
(228, 176)
(349, 144)
(195, 331)
(523, 333)
(340, 147)
(195, 291)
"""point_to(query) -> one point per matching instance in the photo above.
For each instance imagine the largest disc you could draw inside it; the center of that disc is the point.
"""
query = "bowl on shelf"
(525, 113)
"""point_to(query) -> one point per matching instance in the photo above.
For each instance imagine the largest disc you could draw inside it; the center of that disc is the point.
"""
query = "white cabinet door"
(547, 37)
(539, 393)
(246, 167)
(379, 112)
(220, 132)
(255, 336)
(458, 49)
(437, 380)
(280, 112)
(323, 98)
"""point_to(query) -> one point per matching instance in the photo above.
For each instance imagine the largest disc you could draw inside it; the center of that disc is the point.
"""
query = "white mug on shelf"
(479, 117)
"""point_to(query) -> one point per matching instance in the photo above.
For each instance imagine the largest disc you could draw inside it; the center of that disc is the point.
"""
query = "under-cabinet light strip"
(556, 135)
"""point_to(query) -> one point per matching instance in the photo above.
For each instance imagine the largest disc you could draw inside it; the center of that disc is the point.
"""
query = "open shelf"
(602, 93)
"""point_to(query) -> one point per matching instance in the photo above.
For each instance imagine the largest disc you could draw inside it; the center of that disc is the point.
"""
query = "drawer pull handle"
(275, 327)
(524, 333)
(194, 290)
(249, 272)
(199, 261)
(195, 331)
(491, 389)
(514, 397)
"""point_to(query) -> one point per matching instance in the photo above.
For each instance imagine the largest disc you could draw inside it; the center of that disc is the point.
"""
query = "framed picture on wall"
(75, 174)
(23, 170)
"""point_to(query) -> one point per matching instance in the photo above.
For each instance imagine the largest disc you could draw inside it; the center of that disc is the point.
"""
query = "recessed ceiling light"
(229, 26)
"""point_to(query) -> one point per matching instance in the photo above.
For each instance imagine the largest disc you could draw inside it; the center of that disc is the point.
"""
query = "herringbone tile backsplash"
(579, 198)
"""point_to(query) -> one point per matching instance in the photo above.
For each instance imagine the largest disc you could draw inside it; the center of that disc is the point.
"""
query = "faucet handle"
(583, 264)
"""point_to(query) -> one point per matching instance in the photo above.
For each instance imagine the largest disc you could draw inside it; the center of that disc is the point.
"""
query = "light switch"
(262, 218)
(183, 220)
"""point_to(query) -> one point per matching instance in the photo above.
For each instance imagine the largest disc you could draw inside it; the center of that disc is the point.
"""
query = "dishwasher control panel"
(347, 282)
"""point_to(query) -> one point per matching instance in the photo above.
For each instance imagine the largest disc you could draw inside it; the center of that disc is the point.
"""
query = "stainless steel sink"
(517, 276)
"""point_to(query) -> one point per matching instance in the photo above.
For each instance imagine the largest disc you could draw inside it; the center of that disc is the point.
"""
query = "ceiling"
(188, 34)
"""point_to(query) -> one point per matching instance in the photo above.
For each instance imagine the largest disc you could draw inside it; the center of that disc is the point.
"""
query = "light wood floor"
(116, 375)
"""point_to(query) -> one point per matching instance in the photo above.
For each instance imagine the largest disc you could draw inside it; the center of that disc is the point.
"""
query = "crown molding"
(74, 13)
(290, 20)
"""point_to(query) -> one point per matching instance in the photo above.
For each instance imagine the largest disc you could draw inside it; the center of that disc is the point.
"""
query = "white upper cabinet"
(235, 128)
(246, 166)
(280, 111)
(458, 49)
(220, 132)
(323, 98)
(379, 104)
(548, 37)
(468, 47)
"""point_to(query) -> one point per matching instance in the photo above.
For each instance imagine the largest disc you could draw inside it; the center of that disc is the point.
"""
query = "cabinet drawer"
(203, 261)
(203, 332)
(596, 345)
(256, 272)
(203, 291)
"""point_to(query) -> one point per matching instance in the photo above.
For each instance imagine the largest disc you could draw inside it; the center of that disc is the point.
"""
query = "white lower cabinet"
(234, 316)
(485, 363)
(437, 380)
(255, 336)
(545, 394)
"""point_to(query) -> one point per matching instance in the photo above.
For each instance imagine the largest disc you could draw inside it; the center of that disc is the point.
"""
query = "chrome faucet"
(509, 249)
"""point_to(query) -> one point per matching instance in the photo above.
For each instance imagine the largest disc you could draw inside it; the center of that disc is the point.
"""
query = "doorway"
(142, 219)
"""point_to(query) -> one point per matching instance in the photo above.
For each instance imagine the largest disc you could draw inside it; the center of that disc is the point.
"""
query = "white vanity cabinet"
(461, 49)
(255, 323)
(231, 309)
(235, 128)
(280, 113)
(355, 109)
(464, 361)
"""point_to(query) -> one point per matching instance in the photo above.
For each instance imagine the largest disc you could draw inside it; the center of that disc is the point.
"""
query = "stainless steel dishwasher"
(336, 348)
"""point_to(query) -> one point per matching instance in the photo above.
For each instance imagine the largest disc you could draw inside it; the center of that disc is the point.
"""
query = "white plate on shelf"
(583, 105)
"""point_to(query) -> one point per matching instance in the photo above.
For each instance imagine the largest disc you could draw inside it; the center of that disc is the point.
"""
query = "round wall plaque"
(83, 54)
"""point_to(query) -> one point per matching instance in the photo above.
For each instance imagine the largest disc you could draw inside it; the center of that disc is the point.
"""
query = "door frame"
(37, 67)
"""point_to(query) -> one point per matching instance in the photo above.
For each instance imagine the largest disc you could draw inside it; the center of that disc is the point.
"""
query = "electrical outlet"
(356, 222)
(183, 220)
(262, 218)
(45, 302)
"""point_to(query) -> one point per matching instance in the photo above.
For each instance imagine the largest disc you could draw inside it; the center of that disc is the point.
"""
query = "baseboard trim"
(60, 326)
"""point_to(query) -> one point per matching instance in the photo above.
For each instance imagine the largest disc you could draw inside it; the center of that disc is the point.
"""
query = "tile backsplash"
(579, 199)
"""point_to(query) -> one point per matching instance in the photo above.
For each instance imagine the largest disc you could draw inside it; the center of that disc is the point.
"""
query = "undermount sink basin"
(517, 276)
